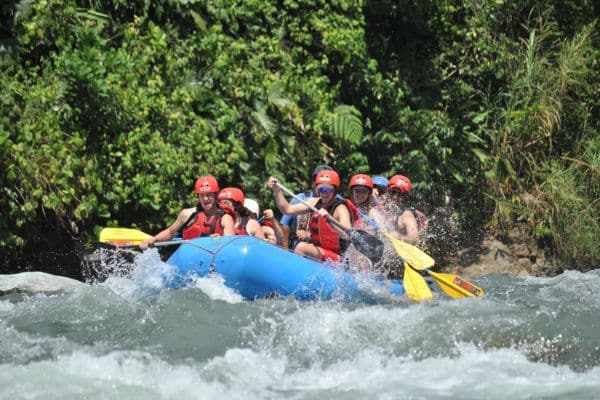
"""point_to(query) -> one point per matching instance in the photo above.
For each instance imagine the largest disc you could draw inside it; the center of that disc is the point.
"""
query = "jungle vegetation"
(110, 109)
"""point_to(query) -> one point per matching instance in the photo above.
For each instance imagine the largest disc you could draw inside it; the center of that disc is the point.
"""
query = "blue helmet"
(380, 181)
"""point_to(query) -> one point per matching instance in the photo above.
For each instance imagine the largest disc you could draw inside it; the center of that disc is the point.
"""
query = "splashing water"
(126, 338)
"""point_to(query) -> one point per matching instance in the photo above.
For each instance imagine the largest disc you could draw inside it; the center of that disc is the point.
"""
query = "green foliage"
(111, 109)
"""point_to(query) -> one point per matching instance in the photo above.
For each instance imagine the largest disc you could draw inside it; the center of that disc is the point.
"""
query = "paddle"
(122, 236)
(415, 286)
(366, 243)
(416, 257)
(131, 238)
(455, 286)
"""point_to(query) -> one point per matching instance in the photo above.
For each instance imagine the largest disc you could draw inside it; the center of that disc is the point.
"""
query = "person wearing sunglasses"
(203, 220)
(295, 227)
(231, 200)
(361, 195)
(403, 221)
(327, 241)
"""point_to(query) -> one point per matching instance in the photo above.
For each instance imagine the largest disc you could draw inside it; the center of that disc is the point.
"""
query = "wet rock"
(520, 250)
(518, 253)
(36, 282)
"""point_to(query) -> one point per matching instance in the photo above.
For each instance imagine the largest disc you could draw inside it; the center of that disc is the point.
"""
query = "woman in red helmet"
(231, 200)
(403, 222)
(203, 220)
(361, 195)
(327, 241)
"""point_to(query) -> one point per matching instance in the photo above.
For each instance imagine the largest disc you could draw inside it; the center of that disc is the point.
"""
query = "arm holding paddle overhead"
(326, 241)
(282, 204)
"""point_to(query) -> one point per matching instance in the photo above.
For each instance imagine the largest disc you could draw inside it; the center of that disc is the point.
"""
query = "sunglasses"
(325, 190)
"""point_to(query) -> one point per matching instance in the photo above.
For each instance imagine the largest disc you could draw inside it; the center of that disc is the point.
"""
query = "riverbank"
(519, 253)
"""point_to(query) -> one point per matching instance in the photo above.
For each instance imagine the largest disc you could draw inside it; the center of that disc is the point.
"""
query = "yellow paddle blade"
(416, 257)
(122, 236)
(455, 286)
(415, 286)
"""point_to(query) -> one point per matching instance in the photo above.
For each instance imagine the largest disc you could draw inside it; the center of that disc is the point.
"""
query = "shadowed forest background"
(111, 109)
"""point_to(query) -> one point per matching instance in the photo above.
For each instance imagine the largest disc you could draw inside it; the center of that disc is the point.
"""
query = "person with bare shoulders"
(327, 241)
(404, 222)
(231, 200)
(203, 220)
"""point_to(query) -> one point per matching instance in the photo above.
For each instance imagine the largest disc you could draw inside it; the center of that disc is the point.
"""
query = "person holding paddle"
(203, 220)
(295, 227)
(328, 240)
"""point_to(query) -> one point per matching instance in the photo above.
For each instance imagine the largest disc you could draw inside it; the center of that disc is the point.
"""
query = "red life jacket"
(322, 234)
(354, 213)
(200, 225)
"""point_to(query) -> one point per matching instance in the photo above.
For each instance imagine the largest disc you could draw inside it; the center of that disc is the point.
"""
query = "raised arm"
(282, 204)
(277, 228)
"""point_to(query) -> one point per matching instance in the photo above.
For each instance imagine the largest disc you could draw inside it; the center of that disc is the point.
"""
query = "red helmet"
(233, 194)
(401, 183)
(207, 184)
(329, 177)
(361, 180)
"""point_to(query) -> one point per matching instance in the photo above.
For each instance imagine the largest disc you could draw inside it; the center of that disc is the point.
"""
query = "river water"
(537, 338)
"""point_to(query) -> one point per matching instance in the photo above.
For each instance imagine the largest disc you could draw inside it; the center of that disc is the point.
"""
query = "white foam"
(6, 307)
(214, 287)
(115, 375)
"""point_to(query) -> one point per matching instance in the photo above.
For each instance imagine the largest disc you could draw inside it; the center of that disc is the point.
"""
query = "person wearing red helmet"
(231, 200)
(203, 220)
(361, 195)
(327, 241)
(295, 227)
(403, 222)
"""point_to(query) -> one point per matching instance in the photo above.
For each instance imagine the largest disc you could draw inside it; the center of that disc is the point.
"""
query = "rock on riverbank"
(36, 282)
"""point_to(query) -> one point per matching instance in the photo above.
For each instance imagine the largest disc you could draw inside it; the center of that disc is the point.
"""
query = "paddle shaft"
(156, 244)
(307, 204)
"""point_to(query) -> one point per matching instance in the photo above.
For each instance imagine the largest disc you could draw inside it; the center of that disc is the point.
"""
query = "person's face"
(378, 191)
(360, 194)
(397, 195)
(207, 200)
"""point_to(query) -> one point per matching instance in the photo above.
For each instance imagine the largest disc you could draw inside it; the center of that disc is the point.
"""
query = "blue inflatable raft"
(257, 269)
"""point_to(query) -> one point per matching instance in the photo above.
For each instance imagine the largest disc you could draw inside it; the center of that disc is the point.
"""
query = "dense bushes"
(111, 109)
